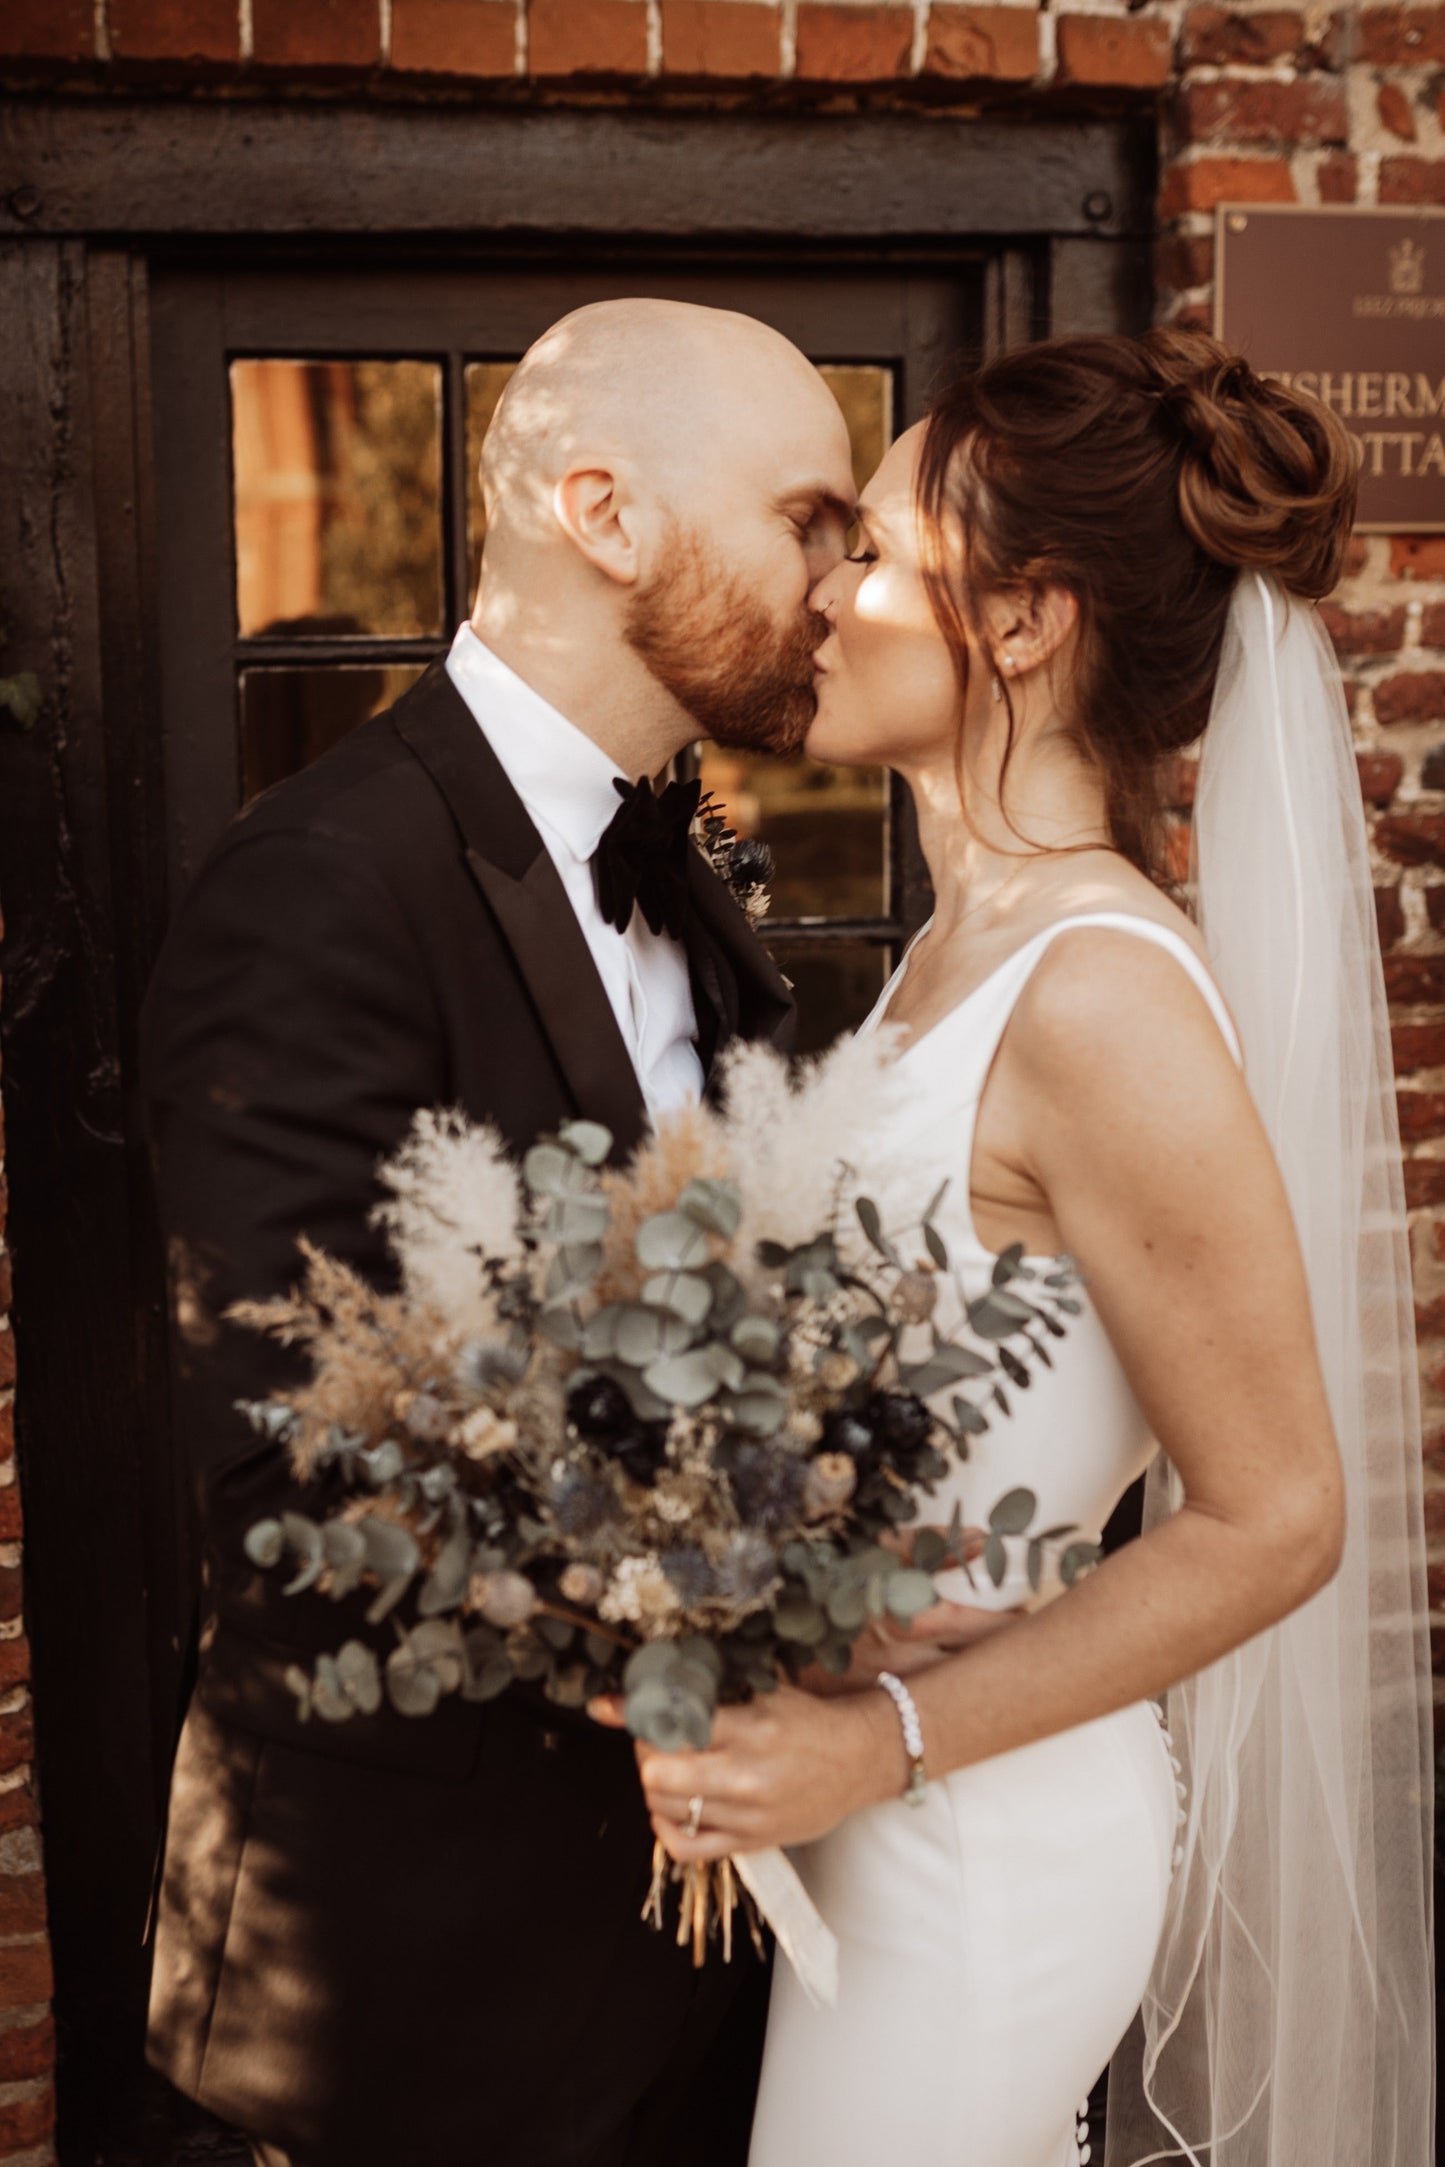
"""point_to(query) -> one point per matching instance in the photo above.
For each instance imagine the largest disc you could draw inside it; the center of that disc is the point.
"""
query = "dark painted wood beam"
(128, 168)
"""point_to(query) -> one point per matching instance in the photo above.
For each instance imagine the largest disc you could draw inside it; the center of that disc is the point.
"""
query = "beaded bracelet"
(916, 1788)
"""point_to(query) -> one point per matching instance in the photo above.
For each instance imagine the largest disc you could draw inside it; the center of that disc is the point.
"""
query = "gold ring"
(694, 1816)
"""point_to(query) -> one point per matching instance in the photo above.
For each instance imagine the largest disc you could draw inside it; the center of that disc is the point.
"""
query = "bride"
(1089, 550)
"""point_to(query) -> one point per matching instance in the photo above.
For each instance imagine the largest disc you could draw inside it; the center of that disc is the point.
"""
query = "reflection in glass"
(865, 394)
(337, 469)
(825, 825)
(486, 381)
(290, 717)
(835, 984)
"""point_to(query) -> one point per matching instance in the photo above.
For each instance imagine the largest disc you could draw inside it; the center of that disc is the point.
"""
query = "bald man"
(401, 1943)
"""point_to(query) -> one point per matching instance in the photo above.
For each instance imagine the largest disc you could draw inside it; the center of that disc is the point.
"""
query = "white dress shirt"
(566, 783)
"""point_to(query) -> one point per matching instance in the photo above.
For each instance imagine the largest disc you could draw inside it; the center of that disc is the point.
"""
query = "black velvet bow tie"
(642, 858)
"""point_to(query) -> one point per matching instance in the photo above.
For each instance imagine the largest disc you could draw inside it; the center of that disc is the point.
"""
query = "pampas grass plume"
(455, 1198)
(790, 1131)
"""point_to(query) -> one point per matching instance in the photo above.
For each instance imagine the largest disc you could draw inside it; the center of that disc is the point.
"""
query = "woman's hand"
(783, 1769)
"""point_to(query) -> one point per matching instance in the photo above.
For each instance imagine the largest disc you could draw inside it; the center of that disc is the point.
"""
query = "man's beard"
(747, 682)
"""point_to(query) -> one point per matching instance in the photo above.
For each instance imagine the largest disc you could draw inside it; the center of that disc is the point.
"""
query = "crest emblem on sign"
(1407, 267)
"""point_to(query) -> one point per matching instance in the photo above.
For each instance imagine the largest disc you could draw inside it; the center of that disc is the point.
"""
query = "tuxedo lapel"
(511, 866)
(737, 988)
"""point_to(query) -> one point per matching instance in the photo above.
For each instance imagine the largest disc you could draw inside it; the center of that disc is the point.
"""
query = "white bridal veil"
(1287, 2021)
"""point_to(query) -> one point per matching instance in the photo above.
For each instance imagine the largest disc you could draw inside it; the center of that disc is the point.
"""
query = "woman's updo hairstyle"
(1142, 475)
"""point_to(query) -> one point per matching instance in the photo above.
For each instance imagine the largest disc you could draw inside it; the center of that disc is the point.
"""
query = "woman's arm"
(1135, 1125)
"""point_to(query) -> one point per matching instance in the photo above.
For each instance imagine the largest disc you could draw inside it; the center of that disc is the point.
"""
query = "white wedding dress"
(995, 1941)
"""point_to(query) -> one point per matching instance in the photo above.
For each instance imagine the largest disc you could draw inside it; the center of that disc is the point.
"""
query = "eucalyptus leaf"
(1036, 1563)
(683, 1380)
(847, 1606)
(798, 1618)
(687, 1294)
(835, 1654)
(265, 1543)
(1008, 1264)
(360, 1675)
(931, 1550)
(383, 1463)
(1014, 1369)
(390, 1549)
(1077, 1560)
(446, 1583)
(672, 1242)
(329, 1697)
(972, 1421)
(715, 1205)
(757, 1340)
(995, 1558)
(728, 1298)
(1013, 1512)
(645, 1335)
(579, 1218)
(997, 1316)
(772, 1255)
(908, 1593)
(303, 1537)
(872, 1226)
(599, 1334)
(345, 1550)
(412, 1686)
(549, 1170)
(562, 1326)
(588, 1139)
(438, 1641)
(668, 1716)
(299, 1683)
(936, 1246)
(654, 1659)
(572, 1270)
(759, 1413)
(489, 1672)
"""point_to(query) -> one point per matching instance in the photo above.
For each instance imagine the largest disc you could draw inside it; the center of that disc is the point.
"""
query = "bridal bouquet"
(651, 1431)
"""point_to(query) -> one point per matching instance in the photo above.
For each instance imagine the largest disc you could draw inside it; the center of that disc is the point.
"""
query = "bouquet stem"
(763, 1885)
(711, 1897)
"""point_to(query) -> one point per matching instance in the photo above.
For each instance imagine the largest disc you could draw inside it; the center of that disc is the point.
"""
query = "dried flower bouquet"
(652, 1430)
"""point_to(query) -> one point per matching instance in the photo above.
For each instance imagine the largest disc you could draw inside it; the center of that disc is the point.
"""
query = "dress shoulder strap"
(999, 994)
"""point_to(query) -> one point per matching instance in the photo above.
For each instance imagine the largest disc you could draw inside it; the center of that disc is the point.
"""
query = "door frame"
(93, 195)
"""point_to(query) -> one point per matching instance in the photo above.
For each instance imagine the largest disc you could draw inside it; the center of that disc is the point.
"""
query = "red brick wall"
(27, 2043)
(1286, 104)
(1256, 100)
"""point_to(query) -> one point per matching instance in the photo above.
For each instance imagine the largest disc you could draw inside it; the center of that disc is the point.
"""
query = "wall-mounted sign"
(1348, 305)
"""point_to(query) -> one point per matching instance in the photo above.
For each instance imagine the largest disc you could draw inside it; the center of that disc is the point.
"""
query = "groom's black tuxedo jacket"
(395, 1940)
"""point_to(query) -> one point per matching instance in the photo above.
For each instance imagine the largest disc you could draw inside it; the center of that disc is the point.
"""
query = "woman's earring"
(997, 691)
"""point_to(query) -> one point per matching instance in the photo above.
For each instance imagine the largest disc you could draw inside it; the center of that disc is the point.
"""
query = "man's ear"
(595, 512)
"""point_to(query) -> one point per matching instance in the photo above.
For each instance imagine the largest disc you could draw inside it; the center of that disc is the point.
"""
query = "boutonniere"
(745, 867)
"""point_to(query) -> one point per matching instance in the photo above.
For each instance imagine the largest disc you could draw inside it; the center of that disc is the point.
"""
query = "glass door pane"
(336, 470)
